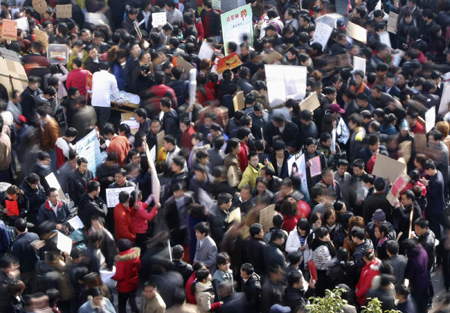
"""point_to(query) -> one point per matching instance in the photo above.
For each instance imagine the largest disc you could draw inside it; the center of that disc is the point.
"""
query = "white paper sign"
(384, 38)
(206, 52)
(22, 23)
(64, 243)
(357, 32)
(359, 64)
(53, 183)
(159, 19)
(430, 119)
(445, 100)
(112, 195)
(285, 82)
(76, 223)
(322, 34)
(392, 22)
(89, 148)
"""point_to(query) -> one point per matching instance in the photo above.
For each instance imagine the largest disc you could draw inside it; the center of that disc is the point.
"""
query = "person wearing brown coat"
(49, 134)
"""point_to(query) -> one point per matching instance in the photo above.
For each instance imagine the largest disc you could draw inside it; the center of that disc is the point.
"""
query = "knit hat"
(124, 245)
(378, 216)
(276, 308)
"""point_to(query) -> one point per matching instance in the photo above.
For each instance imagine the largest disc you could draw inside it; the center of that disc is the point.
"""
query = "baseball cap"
(21, 120)
(336, 108)
(341, 24)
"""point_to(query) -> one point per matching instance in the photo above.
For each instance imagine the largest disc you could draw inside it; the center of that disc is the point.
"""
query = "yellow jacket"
(72, 57)
(250, 175)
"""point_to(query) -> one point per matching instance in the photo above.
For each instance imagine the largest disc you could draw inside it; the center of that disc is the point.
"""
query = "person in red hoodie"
(77, 78)
(122, 219)
(128, 264)
(187, 132)
(369, 271)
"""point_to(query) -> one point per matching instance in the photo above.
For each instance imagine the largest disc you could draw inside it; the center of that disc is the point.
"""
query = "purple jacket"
(416, 269)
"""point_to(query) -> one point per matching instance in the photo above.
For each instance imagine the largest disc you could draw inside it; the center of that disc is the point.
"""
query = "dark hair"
(357, 232)
(177, 252)
(422, 222)
(409, 194)
(294, 277)
(276, 234)
(20, 225)
(429, 164)
(392, 247)
(255, 229)
(93, 185)
(248, 268)
(383, 228)
(294, 257)
(202, 228)
(222, 258)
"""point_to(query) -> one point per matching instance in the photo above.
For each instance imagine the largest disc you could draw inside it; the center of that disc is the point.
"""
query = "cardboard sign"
(40, 6)
(9, 30)
(10, 55)
(41, 37)
(228, 63)
(58, 54)
(322, 34)
(392, 22)
(22, 23)
(272, 57)
(388, 168)
(235, 215)
(63, 10)
(359, 64)
(160, 137)
(311, 103)
(266, 217)
(397, 187)
(239, 101)
(357, 32)
(184, 64)
(13, 75)
(159, 19)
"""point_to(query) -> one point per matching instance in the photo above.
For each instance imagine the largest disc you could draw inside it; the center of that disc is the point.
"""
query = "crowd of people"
(192, 235)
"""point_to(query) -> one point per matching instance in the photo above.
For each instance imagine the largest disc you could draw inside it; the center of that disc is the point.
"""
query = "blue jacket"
(87, 307)
(435, 195)
(181, 88)
(25, 253)
(4, 238)
(120, 77)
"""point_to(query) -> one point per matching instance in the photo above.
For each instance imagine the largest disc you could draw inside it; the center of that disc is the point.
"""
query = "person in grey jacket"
(205, 249)
(398, 261)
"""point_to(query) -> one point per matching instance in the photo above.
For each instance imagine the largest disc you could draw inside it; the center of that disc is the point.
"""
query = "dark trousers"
(123, 298)
(321, 284)
(421, 298)
(435, 223)
(103, 114)
(29, 279)
(141, 242)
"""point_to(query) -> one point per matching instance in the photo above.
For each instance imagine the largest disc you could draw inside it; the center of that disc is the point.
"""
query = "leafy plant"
(374, 306)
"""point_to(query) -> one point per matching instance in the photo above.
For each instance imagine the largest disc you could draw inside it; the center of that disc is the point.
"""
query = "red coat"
(121, 146)
(243, 156)
(368, 272)
(128, 264)
(190, 296)
(123, 223)
(186, 138)
(77, 78)
(289, 223)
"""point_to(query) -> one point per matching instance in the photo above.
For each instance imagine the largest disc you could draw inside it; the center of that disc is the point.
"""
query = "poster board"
(205, 52)
(159, 19)
(384, 38)
(112, 195)
(41, 37)
(322, 34)
(357, 32)
(397, 187)
(54, 183)
(15, 70)
(235, 24)
(40, 6)
(89, 148)
(235, 216)
(445, 99)
(76, 222)
(388, 168)
(310, 103)
(64, 243)
(315, 169)
(63, 10)
(266, 217)
(392, 22)
(10, 55)
(430, 119)
(239, 101)
(272, 56)
(359, 64)
(9, 30)
(160, 137)
(58, 54)
(228, 63)
(184, 64)
(285, 82)
(22, 23)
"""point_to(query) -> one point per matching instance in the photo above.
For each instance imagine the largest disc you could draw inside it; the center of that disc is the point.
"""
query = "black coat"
(87, 207)
(343, 274)
(253, 253)
(36, 197)
(252, 290)
(108, 248)
(273, 254)
(181, 89)
(214, 21)
(218, 221)
(290, 135)
(25, 253)
(375, 202)
(294, 297)
(78, 183)
(427, 241)
(46, 213)
(171, 215)
(170, 123)
(28, 103)
(185, 269)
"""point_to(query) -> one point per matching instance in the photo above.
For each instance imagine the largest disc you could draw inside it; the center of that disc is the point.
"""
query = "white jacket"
(293, 244)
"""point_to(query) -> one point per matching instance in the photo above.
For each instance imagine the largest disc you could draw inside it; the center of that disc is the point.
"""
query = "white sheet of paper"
(159, 19)
(106, 278)
(322, 34)
(392, 22)
(359, 64)
(53, 182)
(76, 223)
(315, 168)
(445, 99)
(206, 52)
(384, 38)
(64, 243)
(430, 119)
(112, 195)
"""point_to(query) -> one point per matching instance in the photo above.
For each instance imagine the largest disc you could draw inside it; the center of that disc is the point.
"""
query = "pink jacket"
(141, 217)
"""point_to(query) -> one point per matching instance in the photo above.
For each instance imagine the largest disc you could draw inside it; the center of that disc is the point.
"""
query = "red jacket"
(418, 129)
(186, 138)
(368, 272)
(289, 223)
(121, 146)
(123, 223)
(128, 264)
(77, 78)
(190, 296)
(243, 156)
(154, 95)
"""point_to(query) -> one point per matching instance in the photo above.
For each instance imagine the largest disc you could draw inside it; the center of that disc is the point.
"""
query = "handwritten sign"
(184, 64)
(322, 34)
(315, 169)
(239, 101)
(10, 55)
(388, 168)
(430, 119)
(40, 6)
(310, 103)
(235, 24)
(357, 32)
(266, 217)
(9, 30)
(384, 38)
(159, 19)
(22, 23)
(217, 4)
(285, 82)
(228, 63)
(41, 37)
(63, 10)
(392, 22)
(397, 187)
(112, 195)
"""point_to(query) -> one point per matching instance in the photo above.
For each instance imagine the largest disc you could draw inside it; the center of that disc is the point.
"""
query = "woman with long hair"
(323, 252)
(15, 205)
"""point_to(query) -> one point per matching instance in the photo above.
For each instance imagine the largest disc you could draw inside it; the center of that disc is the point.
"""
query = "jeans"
(103, 114)
(123, 298)
(54, 160)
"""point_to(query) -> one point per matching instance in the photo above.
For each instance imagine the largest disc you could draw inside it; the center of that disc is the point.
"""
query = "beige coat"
(155, 305)
(204, 295)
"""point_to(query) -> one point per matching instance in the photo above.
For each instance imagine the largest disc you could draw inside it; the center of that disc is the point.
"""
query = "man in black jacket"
(272, 252)
(106, 171)
(185, 269)
(29, 97)
(426, 238)
(295, 294)
(174, 208)
(210, 19)
(284, 128)
(79, 179)
(377, 201)
(107, 243)
(91, 204)
(54, 210)
(219, 217)
(253, 249)
(35, 194)
(251, 287)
